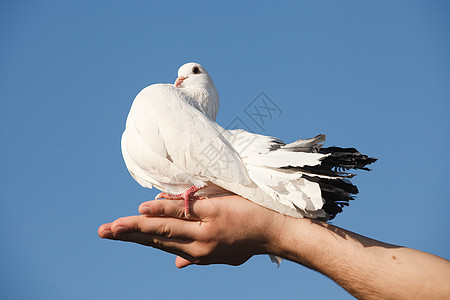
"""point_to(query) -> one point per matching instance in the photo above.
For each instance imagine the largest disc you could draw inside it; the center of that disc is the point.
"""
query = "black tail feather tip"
(339, 191)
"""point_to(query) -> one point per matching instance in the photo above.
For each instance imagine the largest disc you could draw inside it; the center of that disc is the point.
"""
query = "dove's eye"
(196, 70)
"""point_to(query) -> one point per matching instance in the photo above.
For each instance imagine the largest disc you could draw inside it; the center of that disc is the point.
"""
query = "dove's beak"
(179, 81)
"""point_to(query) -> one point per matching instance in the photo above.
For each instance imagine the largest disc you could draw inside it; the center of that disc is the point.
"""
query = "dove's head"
(192, 75)
(196, 82)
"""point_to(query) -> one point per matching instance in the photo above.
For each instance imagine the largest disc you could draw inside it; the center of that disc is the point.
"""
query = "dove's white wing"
(168, 130)
(148, 163)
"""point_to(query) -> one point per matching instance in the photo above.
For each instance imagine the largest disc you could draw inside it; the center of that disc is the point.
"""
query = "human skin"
(230, 230)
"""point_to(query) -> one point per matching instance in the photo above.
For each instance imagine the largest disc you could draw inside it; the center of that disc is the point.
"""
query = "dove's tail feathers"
(300, 178)
(336, 194)
(336, 163)
(345, 158)
(330, 175)
(308, 145)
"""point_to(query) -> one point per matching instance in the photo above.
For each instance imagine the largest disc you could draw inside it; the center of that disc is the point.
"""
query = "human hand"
(229, 230)
(225, 230)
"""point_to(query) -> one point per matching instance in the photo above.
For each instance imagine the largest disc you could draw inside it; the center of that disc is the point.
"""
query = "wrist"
(294, 239)
(275, 235)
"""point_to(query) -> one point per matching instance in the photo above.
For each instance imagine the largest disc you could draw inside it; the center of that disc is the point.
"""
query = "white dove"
(173, 143)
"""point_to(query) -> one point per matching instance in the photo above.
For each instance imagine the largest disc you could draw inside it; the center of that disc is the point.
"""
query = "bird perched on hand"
(171, 134)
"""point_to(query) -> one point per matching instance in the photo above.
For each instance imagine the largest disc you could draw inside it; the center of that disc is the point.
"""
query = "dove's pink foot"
(186, 196)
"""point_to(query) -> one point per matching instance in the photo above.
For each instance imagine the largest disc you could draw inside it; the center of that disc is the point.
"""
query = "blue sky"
(370, 75)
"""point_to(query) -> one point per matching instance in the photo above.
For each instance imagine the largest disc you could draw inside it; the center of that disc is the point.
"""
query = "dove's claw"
(186, 196)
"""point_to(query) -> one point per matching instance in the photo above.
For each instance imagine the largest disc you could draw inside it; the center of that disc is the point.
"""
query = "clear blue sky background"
(371, 75)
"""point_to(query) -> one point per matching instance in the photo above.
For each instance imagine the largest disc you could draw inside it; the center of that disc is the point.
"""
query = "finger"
(168, 208)
(177, 247)
(181, 262)
(164, 227)
(199, 209)
(105, 231)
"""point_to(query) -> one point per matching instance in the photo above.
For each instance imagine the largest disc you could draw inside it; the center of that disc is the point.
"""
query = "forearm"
(364, 267)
